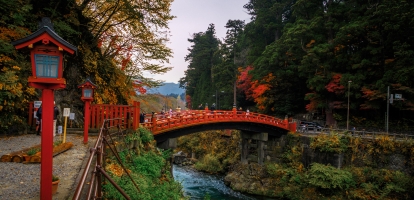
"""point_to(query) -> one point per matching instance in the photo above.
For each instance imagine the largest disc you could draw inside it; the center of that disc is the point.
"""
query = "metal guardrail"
(362, 134)
(95, 170)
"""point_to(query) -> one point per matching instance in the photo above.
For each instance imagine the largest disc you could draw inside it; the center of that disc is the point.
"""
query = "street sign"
(60, 129)
(66, 112)
(398, 96)
(72, 116)
(36, 104)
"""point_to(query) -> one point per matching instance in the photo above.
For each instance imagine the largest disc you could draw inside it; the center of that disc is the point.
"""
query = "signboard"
(60, 129)
(37, 104)
(72, 116)
(398, 96)
(66, 112)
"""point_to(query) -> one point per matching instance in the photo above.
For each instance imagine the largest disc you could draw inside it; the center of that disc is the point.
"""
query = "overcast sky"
(193, 16)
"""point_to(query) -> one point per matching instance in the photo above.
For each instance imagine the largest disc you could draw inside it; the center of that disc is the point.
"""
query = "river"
(198, 185)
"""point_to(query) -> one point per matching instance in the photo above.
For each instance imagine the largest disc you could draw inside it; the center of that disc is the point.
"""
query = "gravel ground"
(22, 181)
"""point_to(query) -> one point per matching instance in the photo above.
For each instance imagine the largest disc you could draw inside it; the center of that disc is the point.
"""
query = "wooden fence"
(100, 112)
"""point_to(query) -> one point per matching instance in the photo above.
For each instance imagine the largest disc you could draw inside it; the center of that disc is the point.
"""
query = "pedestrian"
(39, 120)
(170, 112)
(213, 106)
(247, 112)
(55, 114)
(142, 117)
(200, 106)
(353, 130)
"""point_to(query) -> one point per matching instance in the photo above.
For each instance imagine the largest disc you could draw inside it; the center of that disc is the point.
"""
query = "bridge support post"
(244, 150)
(261, 138)
(170, 143)
(260, 152)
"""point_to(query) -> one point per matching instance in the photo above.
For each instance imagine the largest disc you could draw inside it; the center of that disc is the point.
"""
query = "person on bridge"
(213, 107)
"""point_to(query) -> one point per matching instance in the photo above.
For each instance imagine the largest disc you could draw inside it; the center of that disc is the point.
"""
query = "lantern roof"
(45, 30)
(88, 82)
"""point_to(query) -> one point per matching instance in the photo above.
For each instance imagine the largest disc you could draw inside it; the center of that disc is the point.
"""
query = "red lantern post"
(46, 50)
(88, 89)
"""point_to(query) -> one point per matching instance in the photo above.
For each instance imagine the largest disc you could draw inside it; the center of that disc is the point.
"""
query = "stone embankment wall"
(274, 148)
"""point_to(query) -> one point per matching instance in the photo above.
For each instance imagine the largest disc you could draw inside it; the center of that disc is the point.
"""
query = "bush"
(329, 178)
(146, 135)
(209, 163)
(332, 143)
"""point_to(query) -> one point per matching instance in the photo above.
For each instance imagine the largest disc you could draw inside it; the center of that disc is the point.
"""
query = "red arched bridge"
(165, 126)
(179, 123)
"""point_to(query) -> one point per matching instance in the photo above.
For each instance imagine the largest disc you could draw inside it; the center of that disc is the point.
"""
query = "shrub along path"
(22, 181)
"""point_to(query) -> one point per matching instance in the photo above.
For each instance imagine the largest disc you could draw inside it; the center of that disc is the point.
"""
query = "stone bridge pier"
(253, 142)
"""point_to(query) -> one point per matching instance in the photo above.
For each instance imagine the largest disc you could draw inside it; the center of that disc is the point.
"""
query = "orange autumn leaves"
(255, 90)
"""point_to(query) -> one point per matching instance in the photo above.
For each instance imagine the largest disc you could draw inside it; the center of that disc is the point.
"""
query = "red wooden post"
(86, 122)
(31, 115)
(135, 117)
(93, 111)
(154, 122)
(46, 166)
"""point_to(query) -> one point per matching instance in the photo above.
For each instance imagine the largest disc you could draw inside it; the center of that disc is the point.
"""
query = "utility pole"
(388, 108)
(347, 116)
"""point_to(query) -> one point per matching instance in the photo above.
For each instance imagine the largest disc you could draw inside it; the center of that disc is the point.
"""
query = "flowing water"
(198, 185)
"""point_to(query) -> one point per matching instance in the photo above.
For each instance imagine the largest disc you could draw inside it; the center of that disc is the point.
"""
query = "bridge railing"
(159, 122)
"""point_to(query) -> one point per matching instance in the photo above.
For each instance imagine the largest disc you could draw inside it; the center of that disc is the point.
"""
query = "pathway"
(22, 181)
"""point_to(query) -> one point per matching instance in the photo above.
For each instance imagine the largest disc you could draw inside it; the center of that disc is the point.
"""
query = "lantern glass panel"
(46, 66)
(87, 93)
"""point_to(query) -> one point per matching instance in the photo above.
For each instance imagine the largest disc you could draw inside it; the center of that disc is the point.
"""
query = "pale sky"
(193, 16)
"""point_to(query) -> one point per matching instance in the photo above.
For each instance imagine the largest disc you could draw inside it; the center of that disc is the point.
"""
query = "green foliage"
(145, 134)
(202, 57)
(209, 163)
(330, 178)
(213, 149)
(149, 170)
(32, 151)
(57, 143)
(333, 143)
(55, 178)
(133, 136)
(149, 164)
(207, 197)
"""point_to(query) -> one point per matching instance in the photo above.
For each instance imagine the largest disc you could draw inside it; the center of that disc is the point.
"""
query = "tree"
(201, 58)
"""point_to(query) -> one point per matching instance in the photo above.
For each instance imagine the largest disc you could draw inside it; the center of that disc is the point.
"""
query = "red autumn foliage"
(259, 89)
(244, 82)
(312, 97)
(188, 100)
(334, 85)
(254, 90)
(139, 85)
